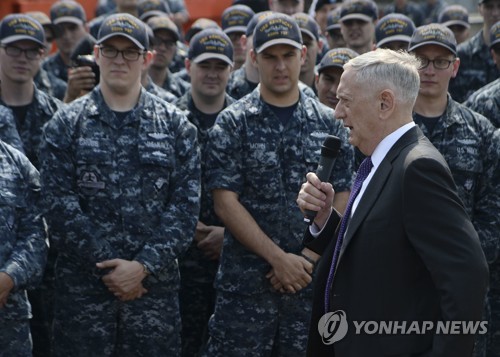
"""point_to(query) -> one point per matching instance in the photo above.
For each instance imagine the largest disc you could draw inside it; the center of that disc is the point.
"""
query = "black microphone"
(329, 151)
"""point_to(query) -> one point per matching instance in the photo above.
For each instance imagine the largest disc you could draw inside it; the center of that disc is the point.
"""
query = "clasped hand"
(290, 273)
(125, 278)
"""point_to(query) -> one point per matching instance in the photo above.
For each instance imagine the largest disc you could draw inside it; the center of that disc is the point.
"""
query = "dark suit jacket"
(410, 254)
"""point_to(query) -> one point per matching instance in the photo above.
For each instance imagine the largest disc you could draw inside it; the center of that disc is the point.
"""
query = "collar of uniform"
(451, 116)
(6, 115)
(42, 101)
(477, 44)
(98, 108)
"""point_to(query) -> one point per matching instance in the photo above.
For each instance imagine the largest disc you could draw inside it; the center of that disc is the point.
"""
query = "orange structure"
(211, 9)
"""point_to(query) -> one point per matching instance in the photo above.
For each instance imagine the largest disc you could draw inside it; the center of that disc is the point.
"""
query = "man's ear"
(148, 58)
(187, 64)
(387, 103)
(303, 54)
(253, 56)
(456, 66)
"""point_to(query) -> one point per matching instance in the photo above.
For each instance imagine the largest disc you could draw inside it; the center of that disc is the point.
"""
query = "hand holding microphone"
(313, 193)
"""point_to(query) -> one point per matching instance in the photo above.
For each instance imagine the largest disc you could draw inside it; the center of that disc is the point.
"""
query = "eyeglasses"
(438, 63)
(128, 54)
(167, 43)
(30, 53)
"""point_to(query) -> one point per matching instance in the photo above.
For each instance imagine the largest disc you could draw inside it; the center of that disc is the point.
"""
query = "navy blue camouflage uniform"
(50, 84)
(175, 85)
(486, 101)
(56, 66)
(123, 188)
(197, 294)
(23, 248)
(154, 89)
(464, 138)
(40, 111)
(494, 293)
(477, 68)
(264, 161)
(29, 130)
(8, 129)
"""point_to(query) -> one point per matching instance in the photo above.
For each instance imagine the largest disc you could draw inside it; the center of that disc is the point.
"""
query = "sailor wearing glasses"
(121, 177)
(465, 138)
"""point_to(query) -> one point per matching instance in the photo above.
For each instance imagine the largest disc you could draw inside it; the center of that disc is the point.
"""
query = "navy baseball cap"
(433, 34)
(337, 57)
(495, 34)
(454, 15)
(236, 18)
(148, 8)
(42, 18)
(18, 27)
(276, 29)
(199, 25)
(164, 23)
(365, 10)
(307, 25)
(333, 19)
(210, 44)
(255, 20)
(67, 11)
(322, 3)
(394, 27)
(124, 25)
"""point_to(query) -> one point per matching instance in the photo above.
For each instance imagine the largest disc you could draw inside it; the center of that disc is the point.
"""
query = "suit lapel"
(377, 184)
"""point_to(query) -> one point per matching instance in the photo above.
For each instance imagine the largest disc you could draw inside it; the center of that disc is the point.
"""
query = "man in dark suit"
(407, 252)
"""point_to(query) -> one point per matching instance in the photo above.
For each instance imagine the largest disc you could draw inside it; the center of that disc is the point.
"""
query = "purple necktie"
(362, 174)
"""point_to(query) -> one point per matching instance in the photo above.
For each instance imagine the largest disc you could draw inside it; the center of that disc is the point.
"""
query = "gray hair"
(386, 68)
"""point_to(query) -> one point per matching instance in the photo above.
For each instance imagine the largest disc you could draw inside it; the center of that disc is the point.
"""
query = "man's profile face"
(356, 108)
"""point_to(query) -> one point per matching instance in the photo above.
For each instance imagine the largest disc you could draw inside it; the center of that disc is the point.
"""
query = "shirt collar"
(387, 143)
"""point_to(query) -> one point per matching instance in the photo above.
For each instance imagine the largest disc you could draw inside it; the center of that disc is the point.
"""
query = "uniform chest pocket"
(11, 198)
(94, 161)
(93, 152)
(466, 173)
(261, 156)
(157, 167)
(312, 151)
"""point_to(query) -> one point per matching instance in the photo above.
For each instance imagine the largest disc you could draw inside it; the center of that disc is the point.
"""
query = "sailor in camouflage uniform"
(209, 64)
(486, 100)
(465, 139)
(259, 151)
(246, 78)
(476, 65)
(165, 40)
(45, 81)
(25, 109)
(121, 177)
(69, 17)
(23, 249)
(28, 107)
